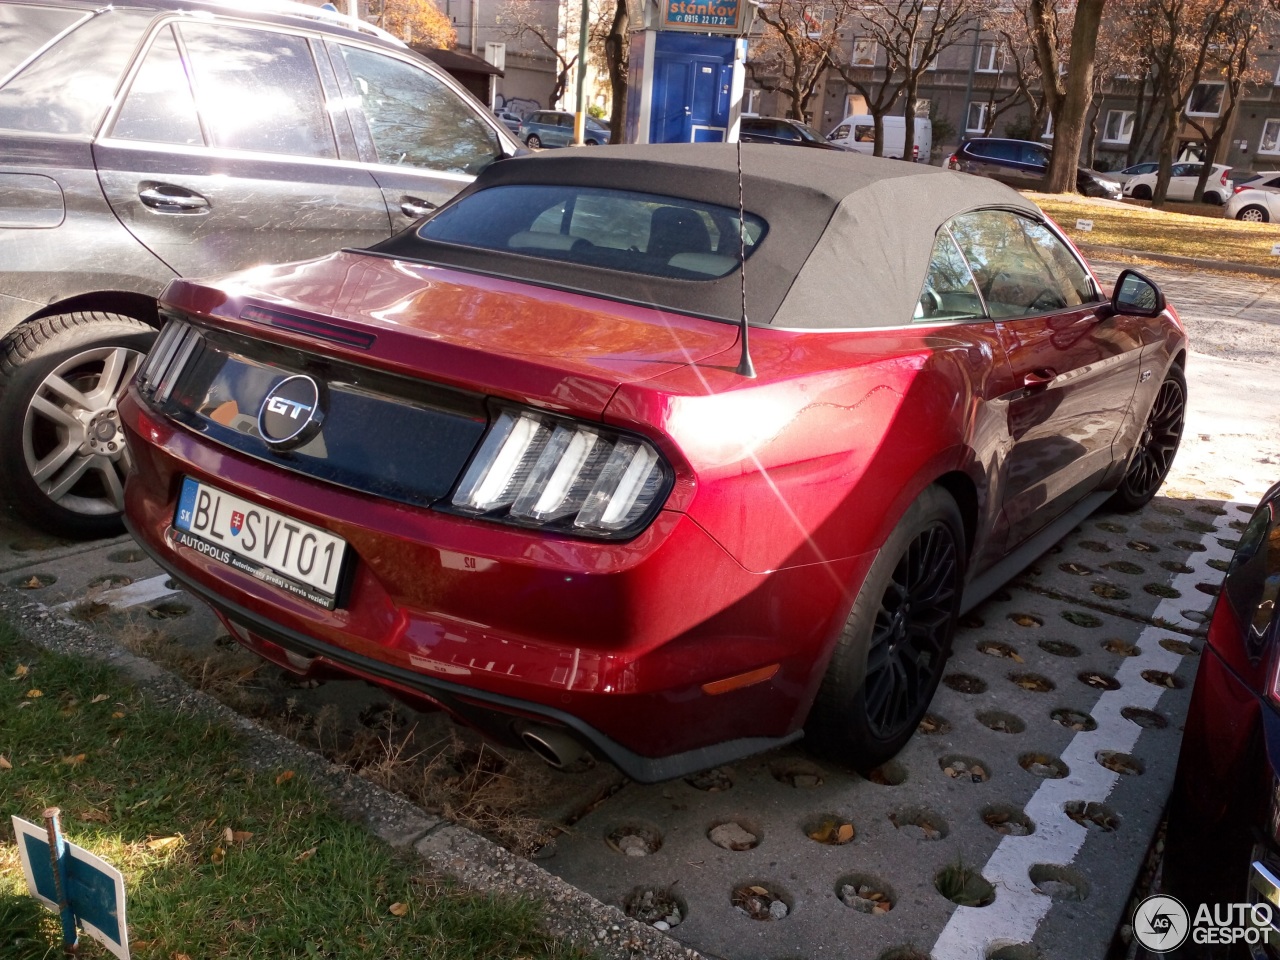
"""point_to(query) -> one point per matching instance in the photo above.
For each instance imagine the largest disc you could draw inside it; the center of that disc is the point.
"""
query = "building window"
(1270, 142)
(1206, 100)
(979, 110)
(1119, 128)
(864, 52)
(989, 59)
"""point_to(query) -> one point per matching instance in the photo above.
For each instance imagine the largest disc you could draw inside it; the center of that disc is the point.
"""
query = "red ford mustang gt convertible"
(512, 462)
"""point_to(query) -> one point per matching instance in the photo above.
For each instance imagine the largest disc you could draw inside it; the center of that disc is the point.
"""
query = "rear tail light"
(953, 161)
(1238, 189)
(1224, 178)
(169, 354)
(538, 470)
(915, 152)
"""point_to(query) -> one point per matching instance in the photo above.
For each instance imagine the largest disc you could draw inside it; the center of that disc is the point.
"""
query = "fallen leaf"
(163, 843)
(32, 584)
(99, 698)
(1016, 658)
(284, 777)
(33, 693)
(399, 909)
(218, 855)
(178, 956)
(241, 836)
(845, 833)
(74, 761)
(23, 704)
(4, 763)
(823, 833)
(304, 855)
(759, 891)
(21, 672)
(117, 715)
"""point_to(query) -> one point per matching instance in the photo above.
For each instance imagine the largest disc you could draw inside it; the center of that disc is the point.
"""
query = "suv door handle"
(416, 207)
(168, 198)
(1037, 380)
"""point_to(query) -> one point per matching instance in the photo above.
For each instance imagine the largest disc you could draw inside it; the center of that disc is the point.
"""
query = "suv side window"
(160, 107)
(1016, 265)
(258, 90)
(1035, 155)
(416, 119)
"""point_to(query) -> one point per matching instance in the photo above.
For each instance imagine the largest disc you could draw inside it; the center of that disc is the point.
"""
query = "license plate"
(270, 546)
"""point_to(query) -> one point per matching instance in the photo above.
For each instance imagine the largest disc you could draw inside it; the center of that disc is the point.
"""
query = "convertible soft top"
(837, 222)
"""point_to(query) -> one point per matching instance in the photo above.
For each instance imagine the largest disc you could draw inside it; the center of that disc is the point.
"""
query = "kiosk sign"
(705, 16)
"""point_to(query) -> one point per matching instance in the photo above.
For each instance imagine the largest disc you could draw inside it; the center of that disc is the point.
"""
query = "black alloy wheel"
(1142, 192)
(912, 632)
(1156, 447)
(890, 657)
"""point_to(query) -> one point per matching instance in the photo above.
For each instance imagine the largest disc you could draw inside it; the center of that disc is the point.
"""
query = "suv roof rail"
(295, 8)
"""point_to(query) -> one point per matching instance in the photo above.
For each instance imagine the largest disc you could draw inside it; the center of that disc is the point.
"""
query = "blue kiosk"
(687, 71)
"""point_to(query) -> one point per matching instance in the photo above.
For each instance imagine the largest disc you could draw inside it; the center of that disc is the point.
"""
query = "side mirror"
(1136, 296)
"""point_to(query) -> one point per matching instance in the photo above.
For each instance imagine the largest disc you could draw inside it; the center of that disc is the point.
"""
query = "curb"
(1099, 251)
(453, 851)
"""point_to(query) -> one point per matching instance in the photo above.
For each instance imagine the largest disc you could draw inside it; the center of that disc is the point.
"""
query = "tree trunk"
(909, 125)
(1068, 119)
(616, 52)
(1167, 150)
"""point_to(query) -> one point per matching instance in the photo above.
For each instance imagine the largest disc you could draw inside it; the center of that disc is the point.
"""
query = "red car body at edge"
(708, 630)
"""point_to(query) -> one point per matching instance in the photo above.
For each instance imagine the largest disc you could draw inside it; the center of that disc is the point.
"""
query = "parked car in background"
(148, 139)
(858, 132)
(1183, 179)
(1223, 842)
(1023, 164)
(1128, 173)
(780, 130)
(1267, 180)
(554, 128)
(506, 462)
(1255, 204)
(509, 120)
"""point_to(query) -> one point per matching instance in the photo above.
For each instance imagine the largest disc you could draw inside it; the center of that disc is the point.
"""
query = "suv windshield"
(615, 229)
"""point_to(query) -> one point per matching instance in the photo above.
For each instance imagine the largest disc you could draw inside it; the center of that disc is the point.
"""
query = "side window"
(24, 29)
(949, 292)
(258, 90)
(1004, 150)
(160, 107)
(1012, 270)
(1035, 155)
(840, 133)
(416, 119)
(1066, 269)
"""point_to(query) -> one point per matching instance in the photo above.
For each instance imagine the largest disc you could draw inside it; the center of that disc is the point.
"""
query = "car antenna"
(745, 367)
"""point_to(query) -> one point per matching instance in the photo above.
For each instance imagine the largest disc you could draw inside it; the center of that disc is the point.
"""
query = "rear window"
(639, 233)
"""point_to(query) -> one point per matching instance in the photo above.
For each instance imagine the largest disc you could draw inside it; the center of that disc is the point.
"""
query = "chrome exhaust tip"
(556, 747)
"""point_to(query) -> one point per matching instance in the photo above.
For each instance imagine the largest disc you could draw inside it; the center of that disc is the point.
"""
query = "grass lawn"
(220, 860)
(1170, 231)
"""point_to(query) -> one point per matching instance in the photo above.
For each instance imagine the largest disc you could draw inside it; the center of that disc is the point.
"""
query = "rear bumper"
(615, 642)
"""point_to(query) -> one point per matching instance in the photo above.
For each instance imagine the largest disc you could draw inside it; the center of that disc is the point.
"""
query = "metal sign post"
(83, 889)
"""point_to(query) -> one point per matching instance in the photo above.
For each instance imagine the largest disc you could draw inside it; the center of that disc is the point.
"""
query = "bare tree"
(1231, 58)
(798, 43)
(528, 22)
(911, 34)
(617, 49)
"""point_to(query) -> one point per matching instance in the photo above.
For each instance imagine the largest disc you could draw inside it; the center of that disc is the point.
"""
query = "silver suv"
(148, 139)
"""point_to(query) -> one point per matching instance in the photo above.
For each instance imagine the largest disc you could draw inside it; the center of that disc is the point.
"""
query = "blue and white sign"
(94, 889)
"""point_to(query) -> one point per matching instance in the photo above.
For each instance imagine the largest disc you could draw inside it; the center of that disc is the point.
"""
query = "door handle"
(1037, 380)
(416, 207)
(168, 198)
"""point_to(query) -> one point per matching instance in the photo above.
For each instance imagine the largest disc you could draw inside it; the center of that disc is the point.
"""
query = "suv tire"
(65, 459)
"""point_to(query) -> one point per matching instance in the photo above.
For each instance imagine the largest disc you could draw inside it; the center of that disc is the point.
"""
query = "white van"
(858, 132)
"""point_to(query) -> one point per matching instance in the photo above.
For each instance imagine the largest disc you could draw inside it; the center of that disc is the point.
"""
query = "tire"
(1253, 213)
(1214, 199)
(64, 458)
(592, 143)
(1153, 454)
(891, 653)
(534, 141)
(1141, 192)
